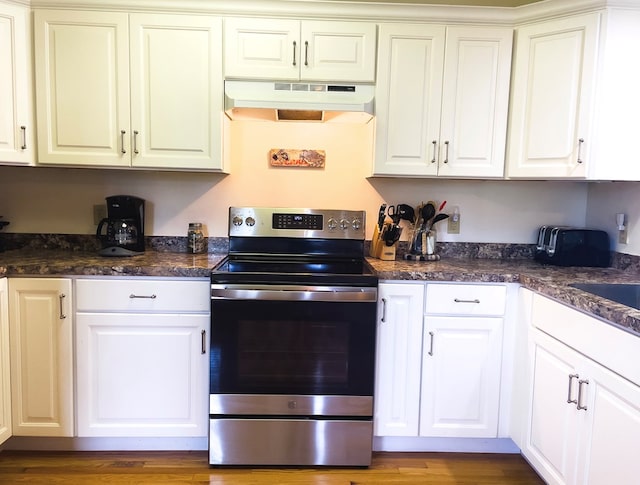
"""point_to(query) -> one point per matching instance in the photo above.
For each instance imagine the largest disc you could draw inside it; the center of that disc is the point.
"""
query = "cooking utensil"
(391, 234)
(381, 216)
(394, 214)
(438, 218)
(444, 202)
(406, 212)
(428, 211)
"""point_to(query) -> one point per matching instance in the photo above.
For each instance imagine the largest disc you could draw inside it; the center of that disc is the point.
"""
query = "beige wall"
(60, 200)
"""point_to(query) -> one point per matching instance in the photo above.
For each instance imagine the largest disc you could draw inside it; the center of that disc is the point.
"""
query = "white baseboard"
(105, 444)
(460, 445)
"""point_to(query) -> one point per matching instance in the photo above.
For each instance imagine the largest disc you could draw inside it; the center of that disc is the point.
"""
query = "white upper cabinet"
(82, 85)
(553, 84)
(575, 98)
(176, 91)
(124, 90)
(17, 127)
(442, 100)
(292, 50)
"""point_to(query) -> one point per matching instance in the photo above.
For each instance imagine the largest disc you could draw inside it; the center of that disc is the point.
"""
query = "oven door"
(292, 340)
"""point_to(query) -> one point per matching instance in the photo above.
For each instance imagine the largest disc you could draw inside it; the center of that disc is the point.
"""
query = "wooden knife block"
(379, 249)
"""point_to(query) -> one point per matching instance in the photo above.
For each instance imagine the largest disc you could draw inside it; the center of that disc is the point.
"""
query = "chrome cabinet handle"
(135, 142)
(306, 52)
(580, 142)
(203, 336)
(579, 405)
(435, 143)
(446, 152)
(122, 150)
(430, 343)
(569, 400)
(151, 297)
(294, 52)
(384, 310)
(458, 300)
(61, 297)
(24, 137)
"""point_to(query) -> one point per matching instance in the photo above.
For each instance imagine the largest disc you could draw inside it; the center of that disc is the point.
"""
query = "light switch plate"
(623, 236)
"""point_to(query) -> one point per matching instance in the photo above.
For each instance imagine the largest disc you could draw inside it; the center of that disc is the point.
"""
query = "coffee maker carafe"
(122, 231)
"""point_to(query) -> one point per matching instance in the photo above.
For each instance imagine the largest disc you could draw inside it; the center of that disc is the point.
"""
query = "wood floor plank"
(191, 467)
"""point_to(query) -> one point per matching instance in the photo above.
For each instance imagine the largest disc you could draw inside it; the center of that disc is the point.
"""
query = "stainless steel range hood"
(298, 101)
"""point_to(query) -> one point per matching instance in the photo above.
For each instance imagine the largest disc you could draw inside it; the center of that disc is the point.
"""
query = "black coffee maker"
(122, 231)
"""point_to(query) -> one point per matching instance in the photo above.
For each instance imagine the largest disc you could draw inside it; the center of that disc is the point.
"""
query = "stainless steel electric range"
(293, 326)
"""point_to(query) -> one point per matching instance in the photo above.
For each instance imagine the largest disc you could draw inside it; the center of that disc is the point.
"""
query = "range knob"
(250, 221)
(332, 223)
(237, 221)
(356, 224)
(344, 224)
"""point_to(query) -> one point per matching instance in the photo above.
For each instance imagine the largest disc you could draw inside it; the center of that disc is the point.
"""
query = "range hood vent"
(288, 101)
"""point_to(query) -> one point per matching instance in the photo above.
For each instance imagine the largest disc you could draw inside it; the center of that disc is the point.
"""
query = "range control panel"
(302, 223)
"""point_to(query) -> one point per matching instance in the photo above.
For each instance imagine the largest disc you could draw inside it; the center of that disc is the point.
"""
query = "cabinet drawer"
(131, 295)
(453, 299)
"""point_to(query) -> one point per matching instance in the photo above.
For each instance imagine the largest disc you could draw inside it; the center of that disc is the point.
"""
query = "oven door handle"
(294, 293)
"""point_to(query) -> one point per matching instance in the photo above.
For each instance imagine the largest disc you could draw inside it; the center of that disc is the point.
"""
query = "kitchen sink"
(626, 294)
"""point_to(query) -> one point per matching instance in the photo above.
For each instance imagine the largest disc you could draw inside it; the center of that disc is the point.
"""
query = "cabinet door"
(5, 364)
(552, 93)
(338, 51)
(554, 424)
(612, 414)
(408, 99)
(257, 48)
(82, 81)
(461, 376)
(399, 344)
(17, 126)
(475, 100)
(176, 91)
(40, 316)
(142, 375)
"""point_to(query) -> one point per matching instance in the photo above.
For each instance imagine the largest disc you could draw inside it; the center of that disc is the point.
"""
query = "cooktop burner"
(295, 246)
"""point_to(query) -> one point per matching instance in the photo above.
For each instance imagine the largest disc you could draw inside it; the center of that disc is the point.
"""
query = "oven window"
(267, 347)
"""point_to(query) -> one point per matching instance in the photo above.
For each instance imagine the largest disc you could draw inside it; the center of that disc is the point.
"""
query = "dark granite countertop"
(72, 263)
(552, 281)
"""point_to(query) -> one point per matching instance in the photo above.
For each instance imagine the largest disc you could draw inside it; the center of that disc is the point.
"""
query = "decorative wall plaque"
(286, 157)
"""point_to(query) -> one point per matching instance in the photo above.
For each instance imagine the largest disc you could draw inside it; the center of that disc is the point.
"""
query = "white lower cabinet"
(462, 360)
(584, 419)
(399, 337)
(439, 372)
(5, 364)
(142, 358)
(41, 327)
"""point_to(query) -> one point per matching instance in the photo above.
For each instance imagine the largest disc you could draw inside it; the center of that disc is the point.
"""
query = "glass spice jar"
(195, 238)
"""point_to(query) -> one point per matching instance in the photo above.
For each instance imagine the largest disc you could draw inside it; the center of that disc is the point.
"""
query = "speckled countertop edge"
(551, 281)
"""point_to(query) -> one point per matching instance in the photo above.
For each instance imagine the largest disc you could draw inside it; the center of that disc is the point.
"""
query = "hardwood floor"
(151, 468)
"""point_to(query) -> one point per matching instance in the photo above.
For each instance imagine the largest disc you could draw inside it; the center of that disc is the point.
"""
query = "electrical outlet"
(623, 236)
(453, 226)
(99, 213)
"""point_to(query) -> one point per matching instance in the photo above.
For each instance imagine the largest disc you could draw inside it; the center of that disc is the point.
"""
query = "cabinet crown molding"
(378, 11)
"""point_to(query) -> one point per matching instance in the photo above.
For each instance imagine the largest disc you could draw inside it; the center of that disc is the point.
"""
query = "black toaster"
(572, 246)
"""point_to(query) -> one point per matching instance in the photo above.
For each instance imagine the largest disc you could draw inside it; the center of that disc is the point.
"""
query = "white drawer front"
(463, 299)
(131, 295)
